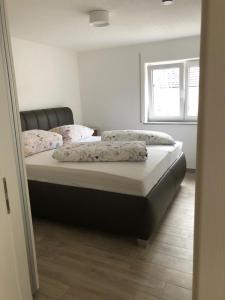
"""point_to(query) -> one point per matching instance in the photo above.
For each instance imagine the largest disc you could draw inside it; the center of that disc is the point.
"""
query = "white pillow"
(148, 136)
(35, 141)
(73, 133)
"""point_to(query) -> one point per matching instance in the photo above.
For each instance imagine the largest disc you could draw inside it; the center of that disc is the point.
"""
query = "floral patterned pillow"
(35, 141)
(150, 137)
(102, 151)
(73, 133)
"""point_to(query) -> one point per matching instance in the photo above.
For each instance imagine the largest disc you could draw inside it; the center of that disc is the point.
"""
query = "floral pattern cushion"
(73, 133)
(150, 137)
(35, 141)
(102, 151)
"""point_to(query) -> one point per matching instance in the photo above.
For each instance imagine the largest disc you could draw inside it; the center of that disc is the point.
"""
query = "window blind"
(166, 78)
(193, 76)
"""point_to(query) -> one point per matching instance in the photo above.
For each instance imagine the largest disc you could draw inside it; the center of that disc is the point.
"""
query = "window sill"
(172, 122)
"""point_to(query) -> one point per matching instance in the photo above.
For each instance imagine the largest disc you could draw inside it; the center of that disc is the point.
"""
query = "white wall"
(46, 77)
(110, 86)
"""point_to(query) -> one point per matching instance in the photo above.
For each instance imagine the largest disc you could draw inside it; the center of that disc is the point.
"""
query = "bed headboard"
(46, 119)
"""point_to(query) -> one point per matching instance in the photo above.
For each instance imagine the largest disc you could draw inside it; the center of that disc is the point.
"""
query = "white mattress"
(133, 178)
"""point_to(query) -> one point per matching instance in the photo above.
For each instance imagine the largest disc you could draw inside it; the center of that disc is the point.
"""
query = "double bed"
(127, 198)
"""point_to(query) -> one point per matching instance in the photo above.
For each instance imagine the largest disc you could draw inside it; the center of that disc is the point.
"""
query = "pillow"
(102, 151)
(35, 141)
(150, 137)
(73, 133)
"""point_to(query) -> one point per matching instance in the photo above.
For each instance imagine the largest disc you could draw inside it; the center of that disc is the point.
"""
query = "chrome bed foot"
(142, 243)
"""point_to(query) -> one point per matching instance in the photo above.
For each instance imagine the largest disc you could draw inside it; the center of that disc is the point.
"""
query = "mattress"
(132, 178)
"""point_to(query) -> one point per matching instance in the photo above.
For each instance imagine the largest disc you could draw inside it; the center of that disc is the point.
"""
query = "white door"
(14, 268)
(14, 272)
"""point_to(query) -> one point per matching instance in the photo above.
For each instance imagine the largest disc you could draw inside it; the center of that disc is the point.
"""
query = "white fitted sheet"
(132, 178)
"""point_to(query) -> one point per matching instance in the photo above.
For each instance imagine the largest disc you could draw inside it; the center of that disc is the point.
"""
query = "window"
(172, 92)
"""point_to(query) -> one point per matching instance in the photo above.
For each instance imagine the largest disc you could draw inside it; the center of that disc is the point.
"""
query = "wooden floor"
(78, 264)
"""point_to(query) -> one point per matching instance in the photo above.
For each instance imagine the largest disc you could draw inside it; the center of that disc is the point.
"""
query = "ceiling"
(65, 23)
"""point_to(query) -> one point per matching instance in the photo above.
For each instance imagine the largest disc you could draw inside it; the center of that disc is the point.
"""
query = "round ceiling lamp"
(99, 18)
(167, 2)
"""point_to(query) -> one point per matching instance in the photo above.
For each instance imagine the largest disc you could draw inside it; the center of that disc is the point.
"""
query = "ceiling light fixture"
(167, 2)
(99, 18)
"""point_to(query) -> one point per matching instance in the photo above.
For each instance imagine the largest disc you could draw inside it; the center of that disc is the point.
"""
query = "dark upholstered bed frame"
(135, 216)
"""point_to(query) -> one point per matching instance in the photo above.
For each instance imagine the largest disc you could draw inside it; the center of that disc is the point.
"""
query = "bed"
(128, 198)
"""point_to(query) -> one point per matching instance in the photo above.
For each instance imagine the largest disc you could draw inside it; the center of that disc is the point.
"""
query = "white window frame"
(183, 66)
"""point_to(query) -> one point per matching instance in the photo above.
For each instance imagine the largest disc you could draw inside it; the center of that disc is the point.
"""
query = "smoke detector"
(167, 2)
(99, 18)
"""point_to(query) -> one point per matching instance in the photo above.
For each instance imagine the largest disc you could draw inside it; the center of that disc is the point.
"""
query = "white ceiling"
(64, 23)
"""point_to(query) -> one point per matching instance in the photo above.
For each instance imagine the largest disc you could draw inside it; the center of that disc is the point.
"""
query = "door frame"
(18, 152)
(209, 237)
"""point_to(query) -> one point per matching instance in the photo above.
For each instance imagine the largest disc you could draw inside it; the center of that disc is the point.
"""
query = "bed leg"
(142, 243)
